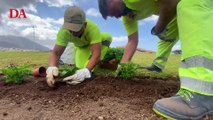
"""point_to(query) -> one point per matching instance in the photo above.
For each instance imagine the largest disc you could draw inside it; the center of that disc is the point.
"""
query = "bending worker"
(90, 46)
(131, 14)
(194, 17)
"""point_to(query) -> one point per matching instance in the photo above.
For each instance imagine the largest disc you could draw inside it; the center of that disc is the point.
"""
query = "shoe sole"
(163, 115)
(172, 116)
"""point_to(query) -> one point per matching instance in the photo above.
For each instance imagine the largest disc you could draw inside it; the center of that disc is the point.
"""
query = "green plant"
(114, 53)
(15, 74)
(67, 71)
(127, 70)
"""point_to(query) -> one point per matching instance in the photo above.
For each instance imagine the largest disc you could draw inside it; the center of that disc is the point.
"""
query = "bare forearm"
(167, 12)
(93, 62)
(53, 59)
(130, 48)
(55, 55)
(95, 58)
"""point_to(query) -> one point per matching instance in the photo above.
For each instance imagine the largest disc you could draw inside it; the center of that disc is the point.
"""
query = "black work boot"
(184, 106)
(152, 68)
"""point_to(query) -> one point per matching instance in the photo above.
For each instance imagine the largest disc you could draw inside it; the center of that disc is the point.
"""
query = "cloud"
(35, 27)
(31, 7)
(44, 29)
(93, 12)
(152, 18)
(39, 33)
(55, 22)
(30, 21)
(7, 4)
(83, 1)
(59, 3)
(119, 39)
(9, 31)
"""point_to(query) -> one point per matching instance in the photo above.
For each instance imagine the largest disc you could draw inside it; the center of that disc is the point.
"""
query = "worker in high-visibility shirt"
(90, 46)
(194, 17)
(135, 11)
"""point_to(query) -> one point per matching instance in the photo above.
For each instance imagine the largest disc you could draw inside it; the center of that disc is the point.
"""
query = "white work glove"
(52, 72)
(117, 72)
(78, 77)
(118, 66)
(163, 35)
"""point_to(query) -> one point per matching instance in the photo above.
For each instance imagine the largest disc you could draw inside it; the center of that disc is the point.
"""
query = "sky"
(45, 17)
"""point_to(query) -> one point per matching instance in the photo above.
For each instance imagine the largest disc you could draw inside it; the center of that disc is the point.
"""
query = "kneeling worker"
(90, 46)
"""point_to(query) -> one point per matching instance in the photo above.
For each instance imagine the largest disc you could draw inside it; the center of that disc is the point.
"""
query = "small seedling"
(65, 72)
(113, 53)
(127, 70)
(15, 74)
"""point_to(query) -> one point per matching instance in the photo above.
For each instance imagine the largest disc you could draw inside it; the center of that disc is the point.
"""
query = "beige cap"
(74, 18)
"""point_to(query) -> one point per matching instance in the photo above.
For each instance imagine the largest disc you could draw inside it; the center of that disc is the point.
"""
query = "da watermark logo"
(16, 13)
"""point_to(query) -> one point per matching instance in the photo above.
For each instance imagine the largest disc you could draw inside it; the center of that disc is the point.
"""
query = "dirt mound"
(103, 98)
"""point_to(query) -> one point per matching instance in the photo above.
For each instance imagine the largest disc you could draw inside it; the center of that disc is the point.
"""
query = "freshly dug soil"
(100, 98)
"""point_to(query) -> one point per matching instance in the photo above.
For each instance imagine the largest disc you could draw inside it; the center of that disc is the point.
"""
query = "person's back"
(142, 8)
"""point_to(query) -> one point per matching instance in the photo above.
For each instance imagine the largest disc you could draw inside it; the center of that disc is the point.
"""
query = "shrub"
(15, 74)
(114, 53)
(127, 70)
(67, 71)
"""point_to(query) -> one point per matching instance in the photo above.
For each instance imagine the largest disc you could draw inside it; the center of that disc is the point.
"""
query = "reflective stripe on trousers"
(165, 48)
(194, 18)
(196, 74)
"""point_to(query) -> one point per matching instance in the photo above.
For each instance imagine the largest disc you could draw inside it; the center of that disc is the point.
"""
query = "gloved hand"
(163, 35)
(51, 72)
(78, 77)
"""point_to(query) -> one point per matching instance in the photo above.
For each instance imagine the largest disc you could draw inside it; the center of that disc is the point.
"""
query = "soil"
(111, 65)
(100, 98)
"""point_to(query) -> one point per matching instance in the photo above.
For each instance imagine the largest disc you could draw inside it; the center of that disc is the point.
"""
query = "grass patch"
(37, 59)
(145, 59)
(31, 58)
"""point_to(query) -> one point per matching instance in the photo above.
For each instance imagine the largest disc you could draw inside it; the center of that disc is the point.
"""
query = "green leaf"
(65, 72)
(113, 53)
(15, 74)
(127, 70)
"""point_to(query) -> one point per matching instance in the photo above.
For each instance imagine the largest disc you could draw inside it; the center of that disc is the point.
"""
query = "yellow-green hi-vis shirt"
(141, 9)
(91, 35)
